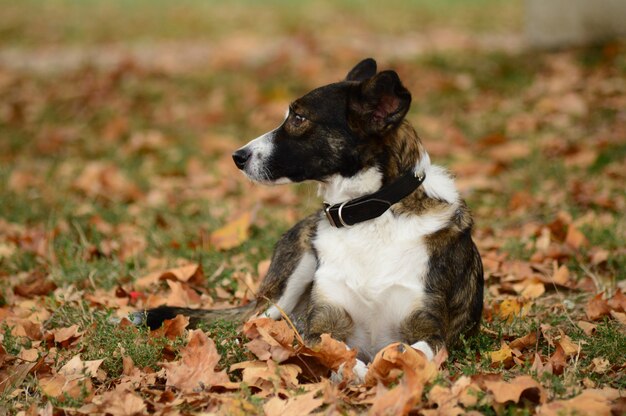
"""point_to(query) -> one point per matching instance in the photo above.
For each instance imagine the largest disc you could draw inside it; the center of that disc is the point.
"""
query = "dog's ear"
(362, 71)
(380, 103)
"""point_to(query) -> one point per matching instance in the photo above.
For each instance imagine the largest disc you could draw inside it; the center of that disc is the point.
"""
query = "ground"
(117, 193)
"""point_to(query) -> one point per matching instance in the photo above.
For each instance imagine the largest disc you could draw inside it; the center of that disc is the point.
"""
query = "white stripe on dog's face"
(261, 150)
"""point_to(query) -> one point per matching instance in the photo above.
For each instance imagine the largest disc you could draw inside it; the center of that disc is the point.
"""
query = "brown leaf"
(232, 234)
(618, 301)
(396, 359)
(575, 238)
(172, 328)
(561, 275)
(587, 327)
(37, 284)
(504, 391)
(191, 273)
(300, 405)
(387, 366)
(267, 375)
(526, 341)
(589, 402)
(569, 348)
(333, 353)
(558, 360)
(196, 368)
(116, 403)
(270, 338)
(597, 307)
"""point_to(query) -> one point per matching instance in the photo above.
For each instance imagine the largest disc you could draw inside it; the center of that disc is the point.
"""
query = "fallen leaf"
(505, 391)
(300, 405)
(269, 339)
(618, 301)
(396, 359)
(503, 355)
(232, 234)
(172, 328)
(191, 273)
(526, 341)
(574, 238)
(569, 348)
(561, 275)
(116, 403)
(600, 365)
(37, 284)
(587, 327)
(597, 307)
(195, 370)
(267, 375)
(589, 402)
(388, 365)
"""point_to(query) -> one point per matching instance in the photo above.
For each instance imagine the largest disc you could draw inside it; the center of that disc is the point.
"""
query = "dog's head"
(335, 129)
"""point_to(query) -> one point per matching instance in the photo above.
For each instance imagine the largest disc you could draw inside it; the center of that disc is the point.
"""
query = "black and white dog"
(390, 255)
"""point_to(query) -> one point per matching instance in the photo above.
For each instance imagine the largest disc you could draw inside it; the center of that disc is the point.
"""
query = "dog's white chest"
(375, 271)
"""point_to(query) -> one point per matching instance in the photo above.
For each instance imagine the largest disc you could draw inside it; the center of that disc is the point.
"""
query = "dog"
(389, 257)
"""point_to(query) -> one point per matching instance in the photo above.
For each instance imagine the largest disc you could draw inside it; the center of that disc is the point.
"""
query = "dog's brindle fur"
(343, 129)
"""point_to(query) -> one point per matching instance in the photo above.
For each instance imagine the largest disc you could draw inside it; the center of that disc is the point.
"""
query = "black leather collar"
(374, 205)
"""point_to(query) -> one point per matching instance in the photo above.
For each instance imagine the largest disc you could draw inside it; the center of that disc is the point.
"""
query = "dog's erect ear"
(362, 71)
(380, 103)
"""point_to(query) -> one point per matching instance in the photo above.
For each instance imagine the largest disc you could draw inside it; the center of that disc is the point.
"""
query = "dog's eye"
(297, 119)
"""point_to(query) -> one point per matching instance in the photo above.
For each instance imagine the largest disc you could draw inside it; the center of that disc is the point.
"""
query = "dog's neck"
(337, 188)
(407, 153)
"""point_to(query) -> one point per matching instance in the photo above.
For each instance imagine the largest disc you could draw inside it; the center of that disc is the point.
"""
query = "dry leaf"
(172, 328)
(597, 307)
(587, 327)
(504, 391)
(232, 234)
(267, 375)
(575, 238)
(191, 273)
(116, 403)
(269, 339)
(300, 405)
(526, 341)
(589, 402)
(196, 368)
(618, 301)
(503, 355)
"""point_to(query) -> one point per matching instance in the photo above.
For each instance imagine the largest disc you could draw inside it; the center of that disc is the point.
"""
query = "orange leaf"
(196, 368)
(232, 234)
(575, 238)
(618, 301)
(388, 364)
(526, 341)
(597, 307)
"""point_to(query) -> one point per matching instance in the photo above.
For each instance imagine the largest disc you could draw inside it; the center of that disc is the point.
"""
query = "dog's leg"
(291, 270)
(325, 318)
(424, 331)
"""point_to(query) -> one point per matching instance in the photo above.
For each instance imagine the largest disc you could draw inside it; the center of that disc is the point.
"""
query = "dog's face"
(331, 130)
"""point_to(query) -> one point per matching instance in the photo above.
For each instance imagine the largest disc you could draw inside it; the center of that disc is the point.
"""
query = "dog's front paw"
(425, 348)
(359, 370)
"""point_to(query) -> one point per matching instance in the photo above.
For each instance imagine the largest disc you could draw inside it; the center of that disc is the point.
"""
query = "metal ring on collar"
(340, 217)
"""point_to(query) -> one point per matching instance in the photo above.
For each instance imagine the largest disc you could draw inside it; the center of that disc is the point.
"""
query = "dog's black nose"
(241, 156)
